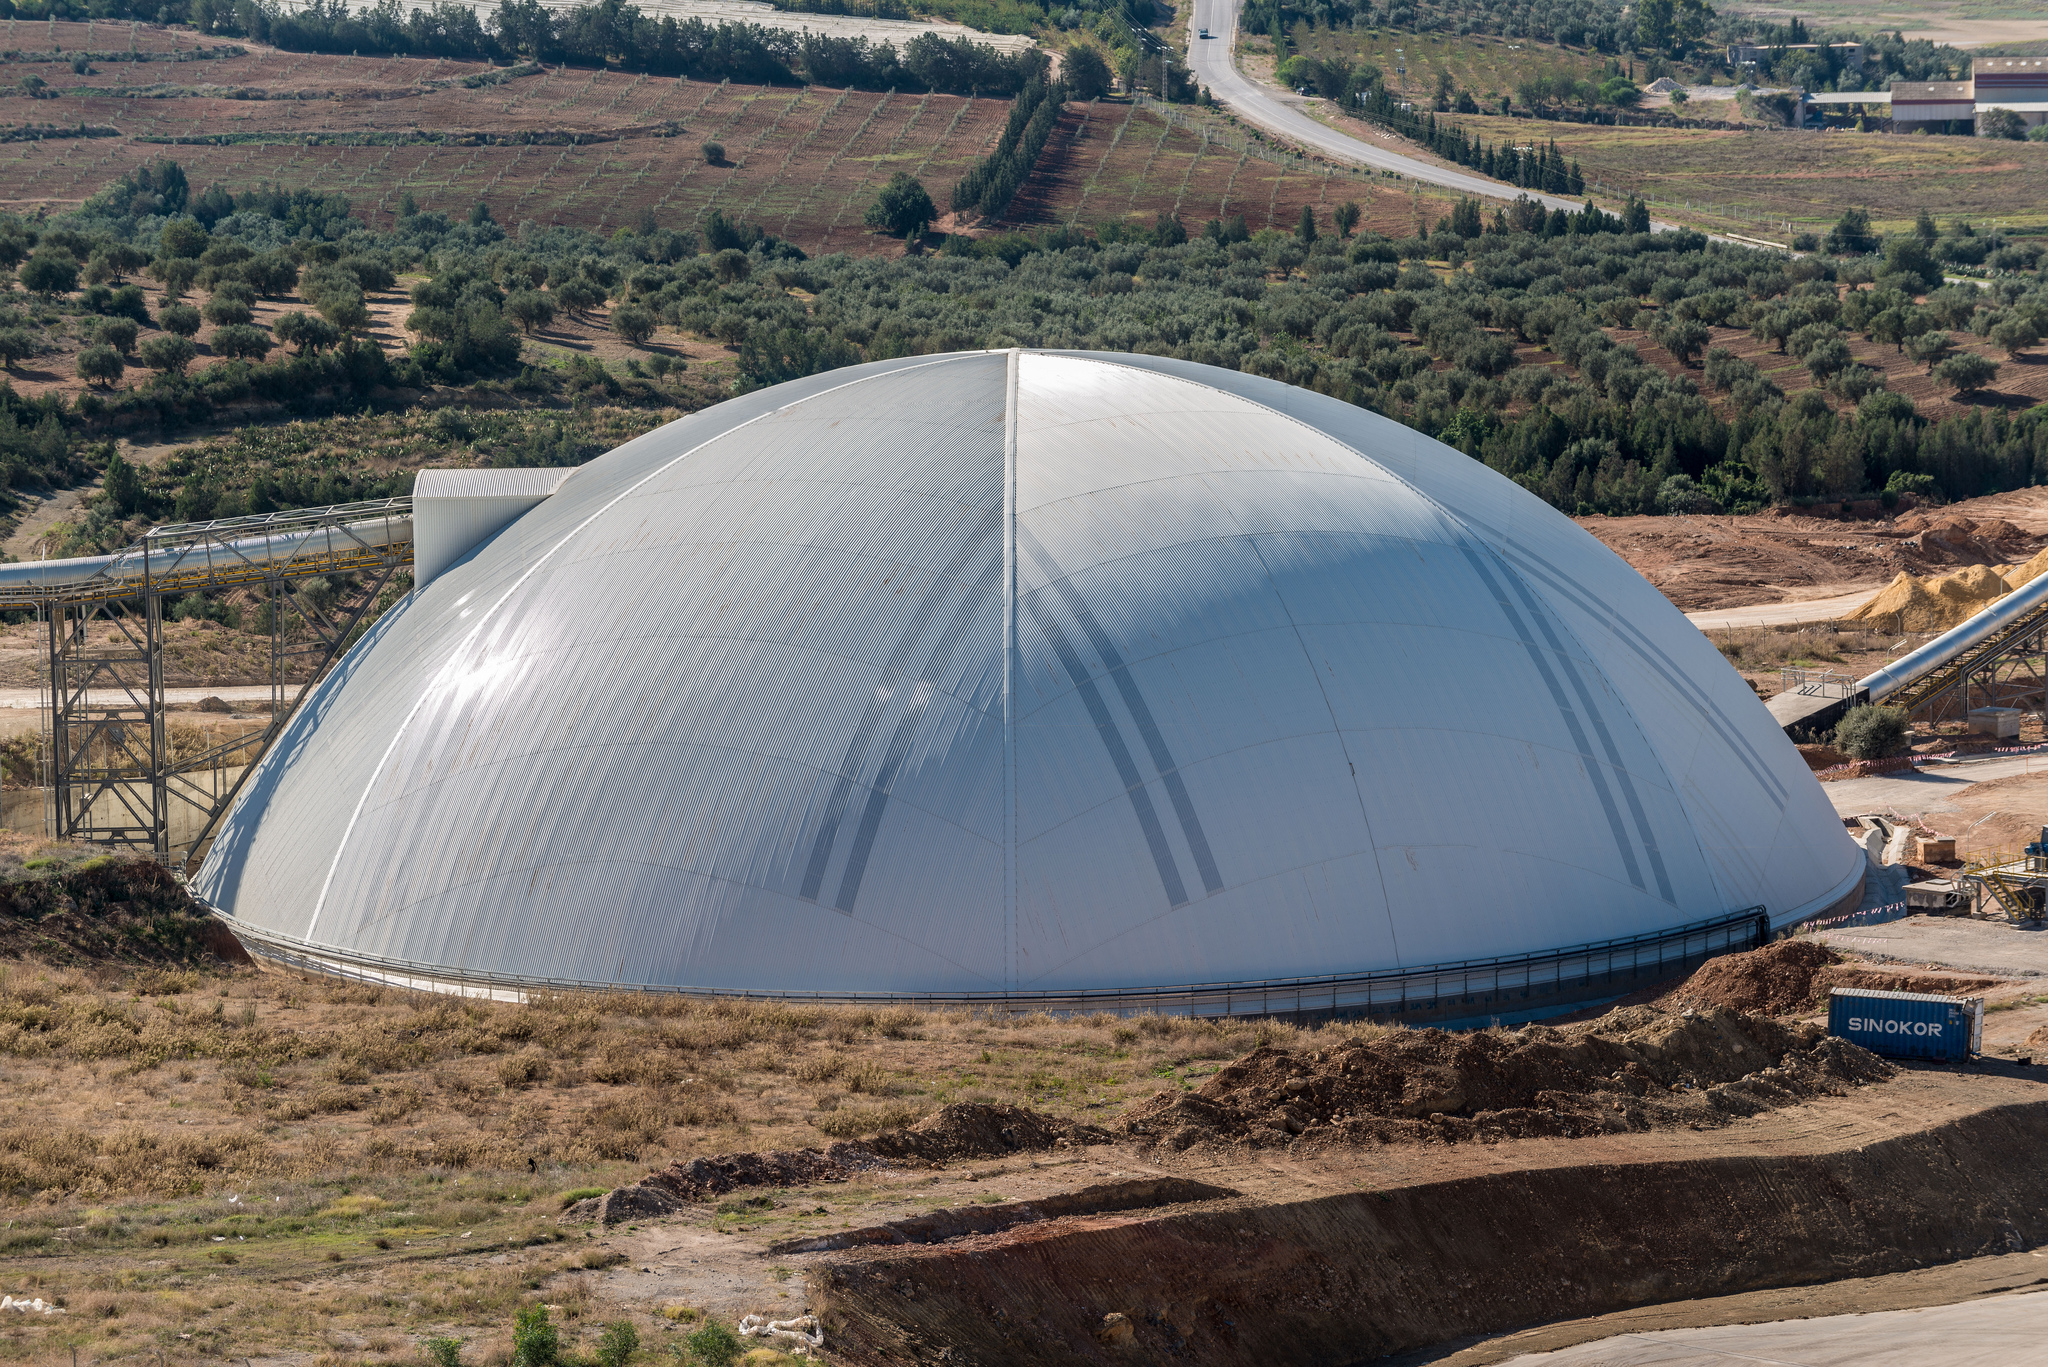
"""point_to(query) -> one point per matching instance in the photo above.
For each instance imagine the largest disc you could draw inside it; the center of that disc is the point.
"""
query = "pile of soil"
(1637, 1068)
(59, 908)
(948, 1135)
(1779, 980)
(1794, 977)
(1819, 757)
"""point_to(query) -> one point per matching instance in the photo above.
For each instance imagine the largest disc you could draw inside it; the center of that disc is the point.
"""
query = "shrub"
(243, 340)
(118, 333)
(224, 310)
(169, 354)
(100, 365)
(1679, 494)
(715, 1345)
(443, 1352)
(1966, 372)
(530, 309)
(714, 153)
(633, 323)
(52, 270)
(179, 319)
(902, 209)
(618, 1343)
(535, 1342)
(1873, 733)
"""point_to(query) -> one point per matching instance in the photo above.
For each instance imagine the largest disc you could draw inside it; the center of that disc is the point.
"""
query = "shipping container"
(1907, 1024)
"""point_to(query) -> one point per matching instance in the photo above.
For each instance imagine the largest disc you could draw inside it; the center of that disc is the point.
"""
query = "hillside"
(570, 146)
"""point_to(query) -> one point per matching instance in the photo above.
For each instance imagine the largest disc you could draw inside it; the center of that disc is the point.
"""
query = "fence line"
(1876, 916)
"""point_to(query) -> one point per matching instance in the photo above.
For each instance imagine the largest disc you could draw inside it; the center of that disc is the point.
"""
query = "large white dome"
(1024, 672)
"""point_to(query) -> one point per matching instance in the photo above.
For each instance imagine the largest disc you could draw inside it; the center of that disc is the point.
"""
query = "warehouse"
(1023, 674)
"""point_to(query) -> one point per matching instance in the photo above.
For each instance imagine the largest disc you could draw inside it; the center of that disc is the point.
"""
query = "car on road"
(1205, 33)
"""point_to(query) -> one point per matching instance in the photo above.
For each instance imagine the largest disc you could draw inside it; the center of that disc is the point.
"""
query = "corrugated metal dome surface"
(1294, 690)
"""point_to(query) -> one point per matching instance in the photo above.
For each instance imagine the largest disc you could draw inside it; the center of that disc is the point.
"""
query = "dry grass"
(275, 1164)
(1811, 647)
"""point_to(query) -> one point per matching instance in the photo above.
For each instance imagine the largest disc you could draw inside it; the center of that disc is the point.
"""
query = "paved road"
(1993, 1332)
(28, 697)
(1211, 61)
(1782, 614)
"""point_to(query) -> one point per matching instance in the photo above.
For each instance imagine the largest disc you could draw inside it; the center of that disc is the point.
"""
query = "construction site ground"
(1780, 557)
(297, 1171)
(733, 1270)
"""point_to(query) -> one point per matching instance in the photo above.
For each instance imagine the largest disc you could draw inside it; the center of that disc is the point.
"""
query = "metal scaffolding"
(114, 775)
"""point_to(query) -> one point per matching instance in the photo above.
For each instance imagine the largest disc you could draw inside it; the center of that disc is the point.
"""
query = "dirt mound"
(1819, 757)
(974, 1131)
(57, 907)
(1794, 977)
(952, 1133)
(1778, 979)
(1637, 1068)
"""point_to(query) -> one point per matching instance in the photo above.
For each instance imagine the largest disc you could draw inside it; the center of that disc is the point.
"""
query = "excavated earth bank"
(1931, 1167)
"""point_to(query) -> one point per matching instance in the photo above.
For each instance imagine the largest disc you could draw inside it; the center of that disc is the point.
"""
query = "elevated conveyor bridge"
(112, 776)
(1975, 664)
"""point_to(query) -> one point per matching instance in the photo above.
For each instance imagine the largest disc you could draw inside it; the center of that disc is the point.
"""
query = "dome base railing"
(1472, 990)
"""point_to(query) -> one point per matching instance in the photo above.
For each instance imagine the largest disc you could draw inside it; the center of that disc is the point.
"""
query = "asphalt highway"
(1211, 61)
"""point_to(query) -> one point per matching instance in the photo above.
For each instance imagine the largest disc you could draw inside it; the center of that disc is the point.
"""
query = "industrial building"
(1021, 674)
(2018, 84)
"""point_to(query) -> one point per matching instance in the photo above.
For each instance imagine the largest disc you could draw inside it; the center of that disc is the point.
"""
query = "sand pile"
(1636, 1068)
(1932, 604)
(2025, 572)
(947, 1135)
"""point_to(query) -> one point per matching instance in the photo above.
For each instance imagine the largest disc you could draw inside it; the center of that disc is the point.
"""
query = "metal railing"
(1436, 989)
(1816, 683)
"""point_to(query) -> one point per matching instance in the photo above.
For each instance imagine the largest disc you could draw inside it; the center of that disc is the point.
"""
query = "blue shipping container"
(1907, 1024)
